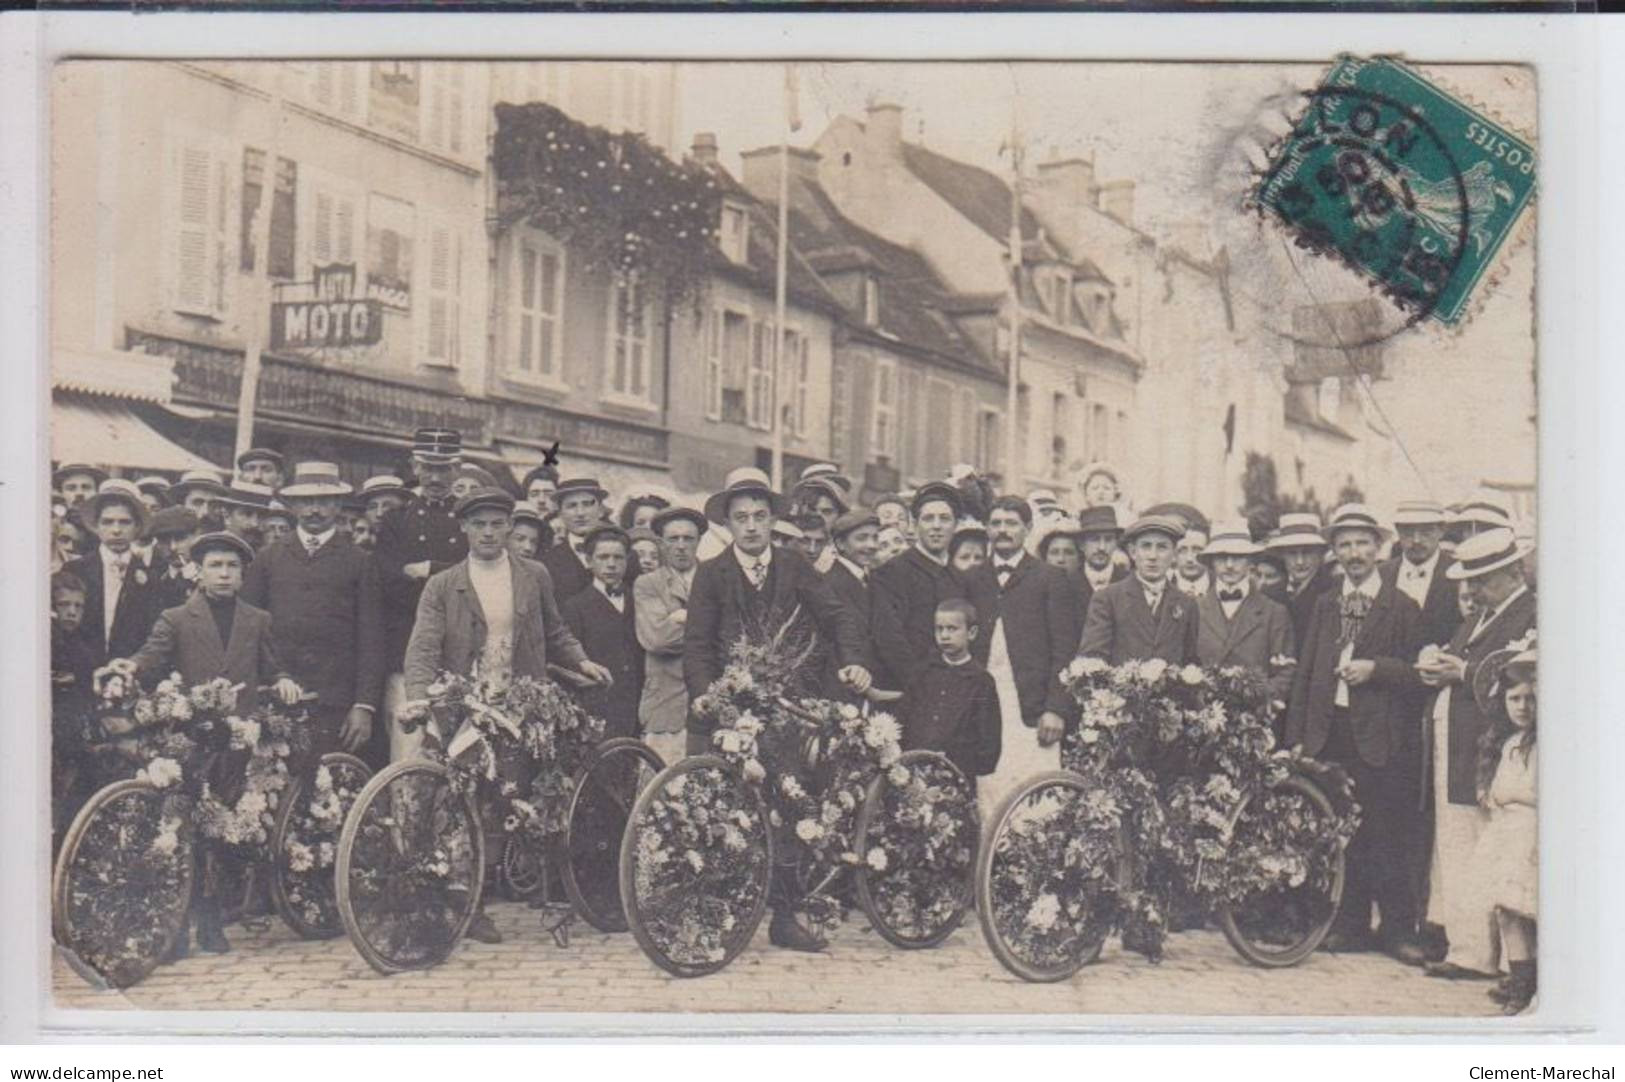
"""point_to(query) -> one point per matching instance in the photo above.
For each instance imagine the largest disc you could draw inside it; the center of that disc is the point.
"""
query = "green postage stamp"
(1412, 187)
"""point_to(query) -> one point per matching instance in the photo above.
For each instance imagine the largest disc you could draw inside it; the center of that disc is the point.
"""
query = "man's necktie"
(312, 544)
(1230, 595)
(1004, 572)
(757, 573)
(1353, 609)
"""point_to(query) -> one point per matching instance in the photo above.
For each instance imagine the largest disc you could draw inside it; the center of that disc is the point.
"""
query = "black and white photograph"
(812, 537)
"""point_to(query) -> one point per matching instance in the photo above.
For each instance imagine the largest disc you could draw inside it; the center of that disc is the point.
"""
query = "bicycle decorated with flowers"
(515, 768)
(201, 786)
(1173, 798)
(798, 796)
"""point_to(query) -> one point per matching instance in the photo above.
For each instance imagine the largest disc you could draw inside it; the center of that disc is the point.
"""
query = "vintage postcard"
(876, 538)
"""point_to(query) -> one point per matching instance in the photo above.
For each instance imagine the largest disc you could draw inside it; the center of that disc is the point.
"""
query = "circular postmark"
(1364, 180)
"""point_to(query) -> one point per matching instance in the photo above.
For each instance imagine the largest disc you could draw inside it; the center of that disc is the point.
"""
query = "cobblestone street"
(860, 973)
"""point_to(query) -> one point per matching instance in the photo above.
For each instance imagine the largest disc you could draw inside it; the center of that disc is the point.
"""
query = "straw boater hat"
(580, 484)
(1297, 530)
(383, 484)
(744, 481)
(1485, 552)
(1230, 539)
(247, 494)
(936, 490)
(63, 472)
(1170, 525)
(315, 479)
(1102, 519)
(855, 519)
(1355, 516)
(1419, 513)
(831, 473)
(220, 540)
(153, 485)
(679, 514)
(789, 531)
(484, 499)
(207, 480)
(437, 446)
(825, 486)
(116, 490)
(525, 511)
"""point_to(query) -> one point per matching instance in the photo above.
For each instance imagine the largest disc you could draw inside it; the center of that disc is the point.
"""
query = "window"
(871, 300)
(965, 423)
(798, 361)
(629, 339)
(391, 233)
(1024, 427)
(445, 117)
(883, 440)
(283, 213)
(333, 231)
(336, 86)
(736, 345)
(1059, 296)
(987, 440)
(1099, 434)
(441, 320)
(1060, 418)
(712, 330)
(538, 301)
(734, 235)
(759, 386)
(394, 97)
(1096, 303)
(198, 216)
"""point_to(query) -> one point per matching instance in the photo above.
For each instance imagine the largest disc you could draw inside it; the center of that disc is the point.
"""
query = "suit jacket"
(1121, 626)
(1260, 630)
(570, 575)
(1382, 709)
(857, 597)
(1083, 592)
(1040, 630)
(134, 616)
(955, 710)
(723, 607)
(664, 707)
(186, 640)
(450, 629)
(1441, 611)
(418, 531)
(611, 639)
(1300, 605)
(1466, 722)
(327, 617)
(907, 589)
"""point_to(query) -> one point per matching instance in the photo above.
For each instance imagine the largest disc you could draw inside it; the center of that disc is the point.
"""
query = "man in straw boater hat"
(327, 615)
(1491, 566)
(1354, 698)
(76, 482)
(581, 509)
(381, 494)
(1235, 623)
(119, 583)
(755, 592)
(1419, 567)
(154, 491)
(909, 586)
(1302, 548)
(417, 540)
(261, 466)
(492, 613)
(1144, 615)
(661, 602)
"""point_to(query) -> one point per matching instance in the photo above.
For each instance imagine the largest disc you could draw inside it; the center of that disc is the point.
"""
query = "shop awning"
(106, 432)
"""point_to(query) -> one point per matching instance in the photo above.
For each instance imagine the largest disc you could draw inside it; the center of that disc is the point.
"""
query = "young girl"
(1506, 851)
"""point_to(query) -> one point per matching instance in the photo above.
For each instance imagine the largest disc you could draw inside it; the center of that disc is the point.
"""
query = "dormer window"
(871, 300)
(1095, 302)
(735, 232)
(1060, 296)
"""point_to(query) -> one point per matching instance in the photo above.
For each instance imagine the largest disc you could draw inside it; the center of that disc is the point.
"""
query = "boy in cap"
(1144, 615)
(540, 486)
(525, 541)
(603, 619)
(174, 576)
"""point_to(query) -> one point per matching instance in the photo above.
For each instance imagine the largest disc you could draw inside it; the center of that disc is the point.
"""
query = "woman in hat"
(968, 549)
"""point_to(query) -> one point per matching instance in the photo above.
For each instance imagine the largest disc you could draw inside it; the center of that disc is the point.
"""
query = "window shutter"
(454, 107)
(525, 282)
(441, 311)
(321, 232)
(713, 364)
(344, 223)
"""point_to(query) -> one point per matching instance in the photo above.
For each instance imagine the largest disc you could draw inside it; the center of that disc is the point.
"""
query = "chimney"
(761, 170)
(885, 130)
(1070, 179)
(704, 150)
(1117, 200)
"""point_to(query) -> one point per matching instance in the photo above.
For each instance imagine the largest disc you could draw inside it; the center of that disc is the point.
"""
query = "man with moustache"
(327, 616)
(909, 586)
(416, 541)
(1421, 569)
(1098, 534)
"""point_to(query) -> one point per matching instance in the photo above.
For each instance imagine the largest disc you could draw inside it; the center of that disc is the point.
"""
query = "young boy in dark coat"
(603, 618)
(955, 708)
(73, 661)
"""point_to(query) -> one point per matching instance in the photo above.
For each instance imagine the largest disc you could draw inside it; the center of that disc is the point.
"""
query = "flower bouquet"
(308, 840)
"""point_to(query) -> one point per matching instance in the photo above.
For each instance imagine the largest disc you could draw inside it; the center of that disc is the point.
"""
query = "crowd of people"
(1400, 648)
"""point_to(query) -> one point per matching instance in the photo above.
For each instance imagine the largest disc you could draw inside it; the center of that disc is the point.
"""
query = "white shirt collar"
(764, 558)
(942, 562)
(861, 574)
(306, 537)
(618, 602)
(1370, 587)
(1152, 587)
(112, 559)
(1246, 587)
(1489, 618)
(1009, 561)
(1425, 568)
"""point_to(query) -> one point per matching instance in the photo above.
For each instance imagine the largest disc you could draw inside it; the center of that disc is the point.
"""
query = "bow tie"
(614, 591)
(1230, 595)
(312, 544)
(1004, 571)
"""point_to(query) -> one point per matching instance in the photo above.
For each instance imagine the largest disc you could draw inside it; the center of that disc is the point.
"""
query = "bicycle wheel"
(600, 804)
(696, 862)
(916, 844)
(1284, 923)
(410, 867)
(1048, 877)
(304, 846)
(123, 882)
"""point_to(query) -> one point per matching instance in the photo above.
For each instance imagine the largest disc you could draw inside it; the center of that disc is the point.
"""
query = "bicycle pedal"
(255, 924)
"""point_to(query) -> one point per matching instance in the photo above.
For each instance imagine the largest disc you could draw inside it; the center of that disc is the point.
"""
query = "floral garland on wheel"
(1172, 750)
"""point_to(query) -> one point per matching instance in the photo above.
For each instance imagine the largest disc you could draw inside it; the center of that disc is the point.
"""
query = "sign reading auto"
(334, 317)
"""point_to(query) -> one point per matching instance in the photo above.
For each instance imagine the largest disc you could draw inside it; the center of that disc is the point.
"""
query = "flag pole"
(1013, 436)
(781, 274)
(259, 312)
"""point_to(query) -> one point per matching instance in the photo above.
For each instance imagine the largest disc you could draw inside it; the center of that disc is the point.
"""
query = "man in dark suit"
(1420, 569)
(1490, 564)
(1354, 697)
(119, 586)
(756, 592)
(416, 541)
(856, 536)
(326, 616)
(1236, 624)
(604, 620)
(581, 509)
(1027, 633)
(1098, 537)
(908, 588)
(1308, 573)
(1143, 616)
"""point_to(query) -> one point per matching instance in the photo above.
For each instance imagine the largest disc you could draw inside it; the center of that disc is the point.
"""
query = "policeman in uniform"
(420, 539)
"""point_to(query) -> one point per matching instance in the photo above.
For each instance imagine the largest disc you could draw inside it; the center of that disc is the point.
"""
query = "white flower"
(898, 775)
(1191, 674)
(791, 787)
(876, 859)
(1152, 669)
(754, 771)
(162, 773)
(695, 860)
(748, 723)
(1089, 736)
(1044, 911)
(808, 830)
(729, 741)
(168, 838)
(848, 711)
(881, 730)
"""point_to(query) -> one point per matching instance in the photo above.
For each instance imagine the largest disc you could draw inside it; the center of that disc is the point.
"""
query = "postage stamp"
(1412, 187)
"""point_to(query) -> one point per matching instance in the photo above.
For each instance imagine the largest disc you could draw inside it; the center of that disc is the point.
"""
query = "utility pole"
(792, 122)
(1014, 465)
(259, 307)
